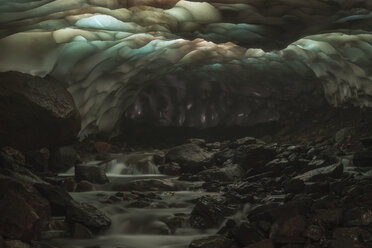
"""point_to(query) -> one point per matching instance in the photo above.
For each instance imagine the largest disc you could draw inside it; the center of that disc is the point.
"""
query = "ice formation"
(192, 63)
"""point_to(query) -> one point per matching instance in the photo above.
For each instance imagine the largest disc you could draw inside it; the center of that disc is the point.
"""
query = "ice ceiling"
(193, 63)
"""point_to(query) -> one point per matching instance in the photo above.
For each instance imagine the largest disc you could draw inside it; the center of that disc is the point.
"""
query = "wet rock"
(245, 141)
(342, 243)
(69, 184)
(278, 165)
(363, 158)
(81, 232)
(317, 163)
(209, 212)
(38, 160)
(103, 147)
(53, 234)
(358, 216)
(23, 210)
(145, 185)
(58, 198)
(338, 187)
(14, 155)
(199, 142)
(224, 155)
(63, 158)
(366, 141)
(247, 234)
(226, 174)
(335, 171)
(16, 244)
(352, 233)
(215, 241)
(289, 242)
(262, 244)
(254, 156)
(344, 135)
(139, 204)
(91, 173)
(172, 169)
(88, 216)
(36, 112)
(113, 199)
(190, 157)
(316, 187)
(292, 226)
(84, 186)
(314, 232)
(158, 227)
(331, 217)
(176, 221)
(294, 186)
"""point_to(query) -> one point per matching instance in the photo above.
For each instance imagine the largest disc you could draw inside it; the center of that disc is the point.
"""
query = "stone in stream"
(190, 157)
(91, 173)
(15, 244)
(215, 241)
(172, 169)
(88, 216)
(334, 171)
(254, 156)
(294, 186)
(246, 234)
(262, 244)
(228, 173)
(209, 212)
(144, 185)
(363, 158)
(81, 232)
(63, 205)
(84, 186)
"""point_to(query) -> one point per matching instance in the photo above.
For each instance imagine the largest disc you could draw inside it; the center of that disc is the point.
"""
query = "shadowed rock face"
(35, 112)
(195, 63)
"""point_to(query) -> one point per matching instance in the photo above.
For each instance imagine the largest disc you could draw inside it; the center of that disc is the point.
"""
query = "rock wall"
(243, 61)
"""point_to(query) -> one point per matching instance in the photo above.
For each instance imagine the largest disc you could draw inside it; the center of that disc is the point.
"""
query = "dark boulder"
(63, 205)
(190, 157)
(172, 169)
(247, 234)
(210, 212)
(38, 160)
(363, 158)
(88, 216)
(23, 210)
(254, 156)
(63, 158)
(91, 173)
(36, 112)
(294, 186)
(215, 241)
(59, 199)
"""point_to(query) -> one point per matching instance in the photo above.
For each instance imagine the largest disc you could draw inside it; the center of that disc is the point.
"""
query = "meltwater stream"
(156, 219)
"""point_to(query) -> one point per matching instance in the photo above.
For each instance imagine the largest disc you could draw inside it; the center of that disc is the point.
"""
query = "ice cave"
(185, 124)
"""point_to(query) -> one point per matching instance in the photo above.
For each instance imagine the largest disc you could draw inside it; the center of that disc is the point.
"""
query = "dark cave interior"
(174, 124)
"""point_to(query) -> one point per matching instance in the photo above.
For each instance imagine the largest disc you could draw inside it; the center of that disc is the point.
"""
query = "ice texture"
(192, 63)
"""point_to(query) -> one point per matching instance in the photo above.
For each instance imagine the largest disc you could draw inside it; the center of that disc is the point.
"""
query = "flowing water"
(157, 219)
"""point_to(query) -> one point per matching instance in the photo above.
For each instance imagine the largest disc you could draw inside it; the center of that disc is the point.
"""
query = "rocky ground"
(269, 194)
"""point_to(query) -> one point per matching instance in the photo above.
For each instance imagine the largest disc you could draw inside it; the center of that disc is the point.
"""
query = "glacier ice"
(207, 63)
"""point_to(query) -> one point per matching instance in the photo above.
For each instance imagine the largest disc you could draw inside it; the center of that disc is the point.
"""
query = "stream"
(147, 209)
